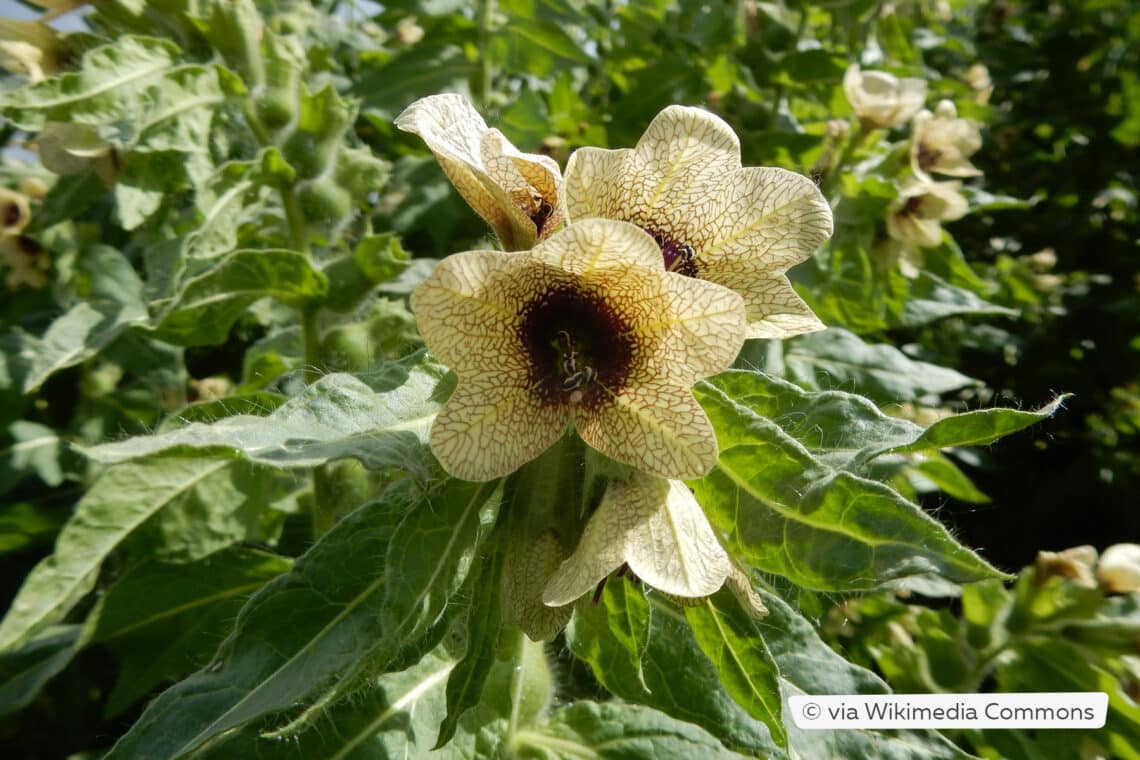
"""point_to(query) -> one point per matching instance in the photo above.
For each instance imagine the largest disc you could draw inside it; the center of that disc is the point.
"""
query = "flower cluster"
(637, 274)
(940, 143)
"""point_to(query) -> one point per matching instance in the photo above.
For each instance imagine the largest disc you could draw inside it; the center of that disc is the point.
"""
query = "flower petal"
(600, 551)
(592, 183)
(487, 430)
(654, 427)
(592, 247)
(673, 547)
(699, 329)
(770, 218)
(464, 318)
(773, 308)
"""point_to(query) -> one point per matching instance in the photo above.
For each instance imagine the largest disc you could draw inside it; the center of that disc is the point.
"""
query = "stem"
(518, 643)
(486, 12)
(296, 220)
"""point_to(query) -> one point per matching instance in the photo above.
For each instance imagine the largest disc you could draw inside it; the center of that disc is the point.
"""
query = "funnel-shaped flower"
(941, 143)
(917, 214)
(518, 194)
(881, 99)
(655, 527)
(588, 326)
(713, 220)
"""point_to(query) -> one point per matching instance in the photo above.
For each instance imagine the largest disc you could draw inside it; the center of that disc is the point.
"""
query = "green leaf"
(338, 416)
(112, 294)
(979, 427)
(786, 511)
(367, 591)
(615, 730)
(838, 358)
(387, 90)
(118, 504)
(206, 306)
(809, 666)
(104, 88)
(678, 679)
(24, 525)
(163, 619)
(25, 671)
(732, 640)
(35, 448)
(484, 622)
(931, 298)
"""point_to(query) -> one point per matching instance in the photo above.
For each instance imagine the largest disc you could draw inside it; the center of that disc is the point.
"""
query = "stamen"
(539, 214)
(679, 257)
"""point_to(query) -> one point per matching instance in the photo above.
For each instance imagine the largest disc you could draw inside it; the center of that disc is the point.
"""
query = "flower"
(588, 326)
(1119, 568)
(26, 260)
(915, 216)
(942, 143)
(713, 220)
(881, 99)
(977, 78)
(654, 526)
(518, 194)
(1076, 564)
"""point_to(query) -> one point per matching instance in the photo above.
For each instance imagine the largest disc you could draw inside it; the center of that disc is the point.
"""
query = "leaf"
(484, 622)
(979, 427)
(615, 730)
(164, 619)
(118, 504)
(24, 525)
(103, 89)
(731, 638)
(678, 679)
(364, 593)
(35, 448)
(206, 306)
(931, 298)
(25, 671)
(785, 511)
(809, 666)
(338, 416)
(387, 90)
(396, 716)
(838, 358)
(113, 302)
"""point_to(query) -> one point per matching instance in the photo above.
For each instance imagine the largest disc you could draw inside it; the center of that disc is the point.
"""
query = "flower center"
(927, 156)
(679, 257)
(576, 344)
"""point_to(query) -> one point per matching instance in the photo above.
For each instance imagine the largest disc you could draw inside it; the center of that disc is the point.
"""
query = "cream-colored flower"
(587, 326)
(1076, 564)
(31, 48)
(713, 220)
(977, 77)
(654, 526)
(1119, 568)
(883, 100)
(518, 194)
(941, 143)
(15, 211)
(917, 214)
(26, 260)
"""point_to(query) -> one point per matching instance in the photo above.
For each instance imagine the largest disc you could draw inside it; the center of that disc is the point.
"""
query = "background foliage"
(208, 364)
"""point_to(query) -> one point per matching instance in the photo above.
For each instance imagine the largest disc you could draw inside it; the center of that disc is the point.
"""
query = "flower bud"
(1119, 568)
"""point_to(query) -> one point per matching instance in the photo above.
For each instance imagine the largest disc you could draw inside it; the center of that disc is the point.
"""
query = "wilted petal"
(658, 529)
(673, 548)
(527, 567)
(658, 428)
(486, 430)
(506, 187)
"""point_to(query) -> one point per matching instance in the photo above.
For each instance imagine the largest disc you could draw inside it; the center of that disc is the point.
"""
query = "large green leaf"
(671, 674)
(837, 358)
(371, 588)
(846, 431)
(786, 511)
(163, 619)
(338, 416)
(731, 638)
(120, 502)
(105, 87)
(206, 306)
(809, 666)
(112, 302)
(614, 730)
